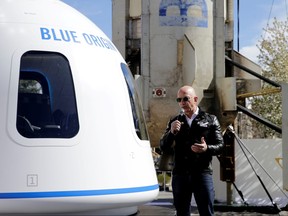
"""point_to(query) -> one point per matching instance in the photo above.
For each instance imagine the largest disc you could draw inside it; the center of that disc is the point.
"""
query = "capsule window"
(138, 116)
(46, 106)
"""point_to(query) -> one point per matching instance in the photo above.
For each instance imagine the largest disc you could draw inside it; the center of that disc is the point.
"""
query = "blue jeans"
(201, 185)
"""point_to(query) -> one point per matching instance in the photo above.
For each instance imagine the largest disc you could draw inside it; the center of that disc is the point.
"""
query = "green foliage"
(273, 59)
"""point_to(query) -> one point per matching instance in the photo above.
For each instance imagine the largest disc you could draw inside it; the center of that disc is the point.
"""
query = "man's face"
(187, 102)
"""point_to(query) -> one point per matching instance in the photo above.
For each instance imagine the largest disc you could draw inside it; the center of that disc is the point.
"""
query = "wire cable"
(242, 146)
(286, 8)
(271, 8)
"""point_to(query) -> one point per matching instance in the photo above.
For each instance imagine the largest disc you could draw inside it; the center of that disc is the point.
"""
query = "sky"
(99, 11)
(254, 16)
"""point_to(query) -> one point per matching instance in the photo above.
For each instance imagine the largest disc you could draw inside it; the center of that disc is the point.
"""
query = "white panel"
(244, 61)
(268, 153)
(189, 62)
(226, 88)
(135, 8)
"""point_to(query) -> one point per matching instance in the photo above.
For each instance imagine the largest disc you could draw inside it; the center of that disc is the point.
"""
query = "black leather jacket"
(185, 160)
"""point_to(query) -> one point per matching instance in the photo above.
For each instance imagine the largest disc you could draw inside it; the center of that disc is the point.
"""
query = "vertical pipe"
(119, 23)
(145, 52)
(228, 48)
(284, 89)
(229, 199)
(229, 21)
(219, 40)
(230, 7)
(238, 24)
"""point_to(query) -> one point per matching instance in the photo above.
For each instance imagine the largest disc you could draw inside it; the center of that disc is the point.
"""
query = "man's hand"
(199, 147)
(175, 127)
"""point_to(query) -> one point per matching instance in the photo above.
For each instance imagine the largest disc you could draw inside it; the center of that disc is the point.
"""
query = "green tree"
(273, 59)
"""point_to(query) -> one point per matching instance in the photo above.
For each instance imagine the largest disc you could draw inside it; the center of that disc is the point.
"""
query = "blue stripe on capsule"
(55, 194)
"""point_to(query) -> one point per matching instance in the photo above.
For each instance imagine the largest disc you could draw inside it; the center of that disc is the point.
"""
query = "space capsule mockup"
(73, 136)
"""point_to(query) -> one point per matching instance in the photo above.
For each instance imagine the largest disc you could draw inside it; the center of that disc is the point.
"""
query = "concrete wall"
(180, 51)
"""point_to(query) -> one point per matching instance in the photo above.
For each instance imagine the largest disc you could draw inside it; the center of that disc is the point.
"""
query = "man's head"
(187, 99)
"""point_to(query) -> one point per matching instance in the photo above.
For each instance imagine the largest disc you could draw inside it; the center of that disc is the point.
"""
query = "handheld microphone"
(181, 113)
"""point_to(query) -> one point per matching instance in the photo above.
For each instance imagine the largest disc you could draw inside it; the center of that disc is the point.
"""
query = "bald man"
(195, 136)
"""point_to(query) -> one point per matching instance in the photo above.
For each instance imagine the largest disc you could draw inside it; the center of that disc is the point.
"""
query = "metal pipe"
(252, 72)
(259, 118)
